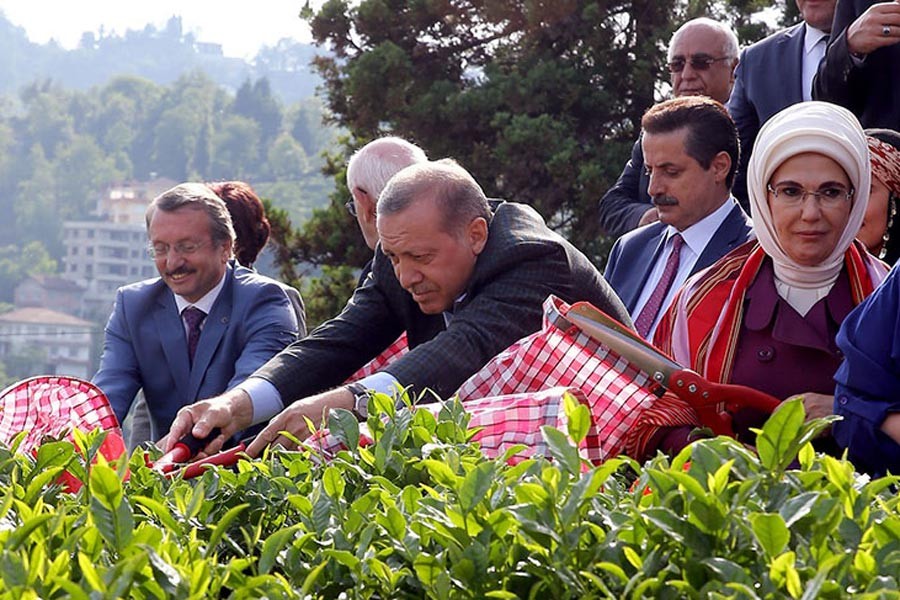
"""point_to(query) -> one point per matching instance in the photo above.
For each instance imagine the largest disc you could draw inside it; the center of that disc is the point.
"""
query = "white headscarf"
(825, 129)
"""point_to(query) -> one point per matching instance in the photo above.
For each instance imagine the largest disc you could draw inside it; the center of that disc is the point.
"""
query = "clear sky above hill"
(241, 26)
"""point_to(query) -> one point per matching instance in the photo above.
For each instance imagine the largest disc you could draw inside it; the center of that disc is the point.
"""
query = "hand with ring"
(876, 28)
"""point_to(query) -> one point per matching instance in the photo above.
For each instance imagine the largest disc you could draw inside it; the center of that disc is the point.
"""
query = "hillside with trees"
(59, 148)
(159, 55)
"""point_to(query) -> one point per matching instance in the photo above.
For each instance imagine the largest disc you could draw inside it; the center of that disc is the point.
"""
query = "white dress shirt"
(814, 43)
(695, 237)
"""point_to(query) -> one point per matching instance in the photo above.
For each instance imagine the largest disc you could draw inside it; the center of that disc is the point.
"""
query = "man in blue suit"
(690, 149)
(201, 327)
(775, 73)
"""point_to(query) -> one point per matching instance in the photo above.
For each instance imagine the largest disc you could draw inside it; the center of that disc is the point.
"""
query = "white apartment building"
(103, 255)
(53, 343)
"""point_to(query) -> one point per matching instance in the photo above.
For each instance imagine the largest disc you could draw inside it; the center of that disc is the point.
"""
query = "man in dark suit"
(702, 57)
(691, 151)
(201, 327)
(775, 73)
(861, 69)
(464, 282)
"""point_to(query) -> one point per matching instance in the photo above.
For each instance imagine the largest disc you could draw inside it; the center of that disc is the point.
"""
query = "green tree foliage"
(59, 149)
(539, 100)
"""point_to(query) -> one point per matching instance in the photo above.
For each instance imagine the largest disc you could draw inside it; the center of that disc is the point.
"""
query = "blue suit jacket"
(633, 255)
(145, 346)
(768, 79)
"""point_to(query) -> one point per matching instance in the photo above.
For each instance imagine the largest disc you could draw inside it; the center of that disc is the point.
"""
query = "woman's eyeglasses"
(699, 62)
(794, 195)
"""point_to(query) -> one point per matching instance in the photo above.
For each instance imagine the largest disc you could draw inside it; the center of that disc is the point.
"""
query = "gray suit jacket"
(522, 263)
(768, 79)
(633, 256)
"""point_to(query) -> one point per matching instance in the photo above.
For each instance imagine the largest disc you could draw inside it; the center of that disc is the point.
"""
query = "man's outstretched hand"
(293, 419)
(231, 412)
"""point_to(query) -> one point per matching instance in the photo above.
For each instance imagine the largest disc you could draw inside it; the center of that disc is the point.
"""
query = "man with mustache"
(203, 325)
(464, 281)
(690, 148)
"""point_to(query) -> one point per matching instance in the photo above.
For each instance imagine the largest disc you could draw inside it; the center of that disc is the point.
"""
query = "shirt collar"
(697, 236)
(812, 38)
(206, 302)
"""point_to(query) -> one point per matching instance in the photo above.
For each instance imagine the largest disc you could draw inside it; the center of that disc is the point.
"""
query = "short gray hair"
(729, 37)
(373, 165)
(196, 196)
(457, 194)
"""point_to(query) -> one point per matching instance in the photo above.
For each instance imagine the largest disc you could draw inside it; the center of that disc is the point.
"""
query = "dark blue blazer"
(633, 255)
(768, 79)
(145, 346)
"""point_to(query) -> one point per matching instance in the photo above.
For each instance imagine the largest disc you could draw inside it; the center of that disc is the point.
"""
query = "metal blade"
(623, 341)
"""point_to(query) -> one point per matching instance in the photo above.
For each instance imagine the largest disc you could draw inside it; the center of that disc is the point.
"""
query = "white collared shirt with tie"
(696, 237)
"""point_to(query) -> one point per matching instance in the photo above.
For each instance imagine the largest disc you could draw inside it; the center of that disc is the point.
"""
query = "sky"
(241, 26)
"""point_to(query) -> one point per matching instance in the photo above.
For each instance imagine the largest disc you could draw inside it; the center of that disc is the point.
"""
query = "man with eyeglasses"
(203, 325)
(775, 73)
(702, 58)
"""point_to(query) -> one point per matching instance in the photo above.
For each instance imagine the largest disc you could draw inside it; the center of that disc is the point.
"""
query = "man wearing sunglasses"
(775, 73)
(702, 58)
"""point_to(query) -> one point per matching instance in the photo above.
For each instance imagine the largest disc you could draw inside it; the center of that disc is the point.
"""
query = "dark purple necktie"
(193, 316)
(645, 320)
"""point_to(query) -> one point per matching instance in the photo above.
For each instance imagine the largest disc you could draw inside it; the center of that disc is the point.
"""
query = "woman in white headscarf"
(766, 314)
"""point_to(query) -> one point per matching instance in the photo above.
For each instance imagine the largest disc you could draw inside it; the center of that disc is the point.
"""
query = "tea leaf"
(344, 425)
(579, 417)
(475, 486)
(562, 449)
(223, 525)
(274, 544)
(771, 532)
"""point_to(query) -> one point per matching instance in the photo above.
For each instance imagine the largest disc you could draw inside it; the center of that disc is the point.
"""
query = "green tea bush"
(422, 513)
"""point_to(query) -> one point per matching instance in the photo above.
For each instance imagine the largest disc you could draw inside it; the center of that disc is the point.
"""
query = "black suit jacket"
(870, 90)
(522, 263)
(768, 79)
(622, 207)
(634, 255)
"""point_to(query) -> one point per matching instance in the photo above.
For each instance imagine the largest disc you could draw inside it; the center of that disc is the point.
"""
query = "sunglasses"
(699, 62)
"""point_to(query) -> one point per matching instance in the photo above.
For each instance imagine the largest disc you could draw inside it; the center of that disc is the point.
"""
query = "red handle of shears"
(226, 458)
(715, 402)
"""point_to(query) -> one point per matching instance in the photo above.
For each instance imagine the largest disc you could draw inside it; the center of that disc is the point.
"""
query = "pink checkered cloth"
(520, 390)
(393, 352)
(560, 354)
(52, 406)
(502, 422)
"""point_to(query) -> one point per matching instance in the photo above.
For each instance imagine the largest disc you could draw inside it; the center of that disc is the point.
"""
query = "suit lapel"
(171, 335)
(214, 328)
(726, 238)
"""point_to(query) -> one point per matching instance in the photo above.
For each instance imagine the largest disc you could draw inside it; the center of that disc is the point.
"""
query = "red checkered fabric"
(502, 422)
(52, 406)
(560, 354)
(393, 352)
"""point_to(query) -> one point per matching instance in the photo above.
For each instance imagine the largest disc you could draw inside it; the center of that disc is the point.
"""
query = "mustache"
(664, 201)
(179, 271)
